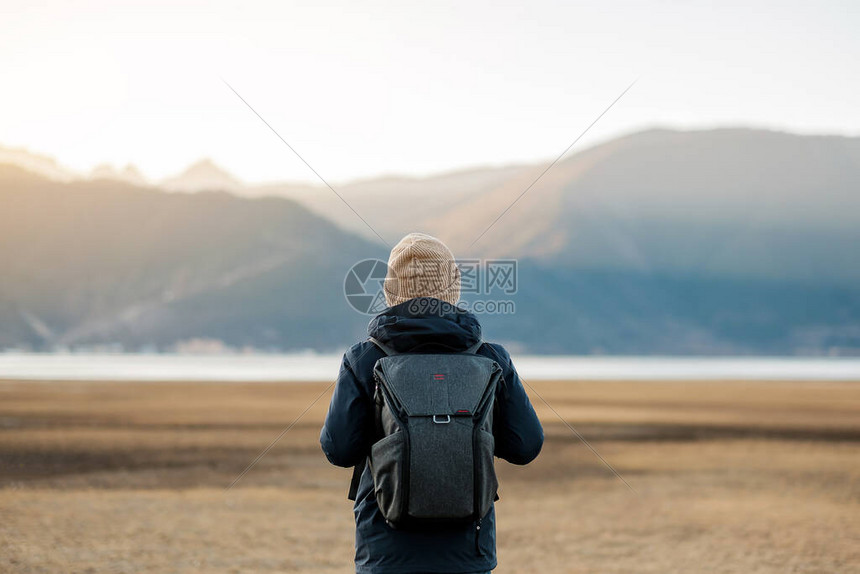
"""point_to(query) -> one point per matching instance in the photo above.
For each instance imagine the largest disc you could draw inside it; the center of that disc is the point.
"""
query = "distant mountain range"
(203, 176)
(696, 242)
(731, 202)
(99, 262)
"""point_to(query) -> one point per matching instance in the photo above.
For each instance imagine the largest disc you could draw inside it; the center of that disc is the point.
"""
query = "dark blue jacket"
(348, 434)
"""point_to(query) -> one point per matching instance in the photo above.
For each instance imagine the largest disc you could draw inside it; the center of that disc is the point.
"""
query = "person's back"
(423, 319)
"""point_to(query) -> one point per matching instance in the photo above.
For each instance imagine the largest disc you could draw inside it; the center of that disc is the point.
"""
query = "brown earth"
(747, 477)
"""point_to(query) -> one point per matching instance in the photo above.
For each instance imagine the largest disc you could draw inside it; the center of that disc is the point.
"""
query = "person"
(422, 290)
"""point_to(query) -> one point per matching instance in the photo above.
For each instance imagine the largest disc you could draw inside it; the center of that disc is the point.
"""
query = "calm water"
(312, 367)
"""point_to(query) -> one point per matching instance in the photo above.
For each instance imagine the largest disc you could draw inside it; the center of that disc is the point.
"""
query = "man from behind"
(420, 409)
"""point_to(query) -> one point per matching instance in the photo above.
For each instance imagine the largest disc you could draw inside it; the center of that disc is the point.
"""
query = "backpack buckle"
(441, 421)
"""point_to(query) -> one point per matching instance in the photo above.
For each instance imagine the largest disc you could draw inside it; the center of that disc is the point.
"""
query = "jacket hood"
(425, 324)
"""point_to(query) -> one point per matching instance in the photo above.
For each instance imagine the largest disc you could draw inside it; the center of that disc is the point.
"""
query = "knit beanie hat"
(421, 266)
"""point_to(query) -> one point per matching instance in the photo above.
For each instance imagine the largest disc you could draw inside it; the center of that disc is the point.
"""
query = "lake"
(324, 367)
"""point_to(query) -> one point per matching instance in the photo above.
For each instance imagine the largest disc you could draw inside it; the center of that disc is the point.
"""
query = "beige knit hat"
(421, 266)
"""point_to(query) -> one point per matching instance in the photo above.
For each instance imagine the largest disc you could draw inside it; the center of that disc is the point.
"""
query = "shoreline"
(321, 368)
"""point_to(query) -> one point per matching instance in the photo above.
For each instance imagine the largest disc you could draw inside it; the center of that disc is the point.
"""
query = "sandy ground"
(746, 477)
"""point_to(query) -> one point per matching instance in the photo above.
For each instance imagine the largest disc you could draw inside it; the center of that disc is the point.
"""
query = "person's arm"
(345, 436)
(517, 430)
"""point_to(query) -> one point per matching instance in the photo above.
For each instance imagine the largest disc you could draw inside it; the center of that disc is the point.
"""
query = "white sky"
(361, 89)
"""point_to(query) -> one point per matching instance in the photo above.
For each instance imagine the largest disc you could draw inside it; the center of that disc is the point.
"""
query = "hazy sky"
(361, 89)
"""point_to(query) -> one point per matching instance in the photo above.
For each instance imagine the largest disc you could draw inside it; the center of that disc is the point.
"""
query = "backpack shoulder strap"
(473, 350)
(382, 346)
(356, 478)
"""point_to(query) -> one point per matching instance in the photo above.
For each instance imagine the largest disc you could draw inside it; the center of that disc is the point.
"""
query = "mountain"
(40, 164)
(393, 205)
(100, 262)
(202, 176)
(726, 241)
(734, 203)
(731, 202)
(591, 311)
(128, 174)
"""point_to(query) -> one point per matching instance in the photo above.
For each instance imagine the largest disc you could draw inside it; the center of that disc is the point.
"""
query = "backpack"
(433, 462)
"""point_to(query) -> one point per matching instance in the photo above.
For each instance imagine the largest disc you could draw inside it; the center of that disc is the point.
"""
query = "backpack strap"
(382, 346)
(356, 478)
(473, 350)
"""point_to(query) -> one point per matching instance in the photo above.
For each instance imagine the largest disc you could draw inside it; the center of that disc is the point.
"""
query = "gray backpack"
(433, 464)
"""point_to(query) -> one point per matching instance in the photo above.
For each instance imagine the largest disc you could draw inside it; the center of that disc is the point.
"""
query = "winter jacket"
(429, 327)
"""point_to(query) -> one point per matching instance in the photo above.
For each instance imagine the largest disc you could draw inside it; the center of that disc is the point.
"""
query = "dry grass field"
(745, 477)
